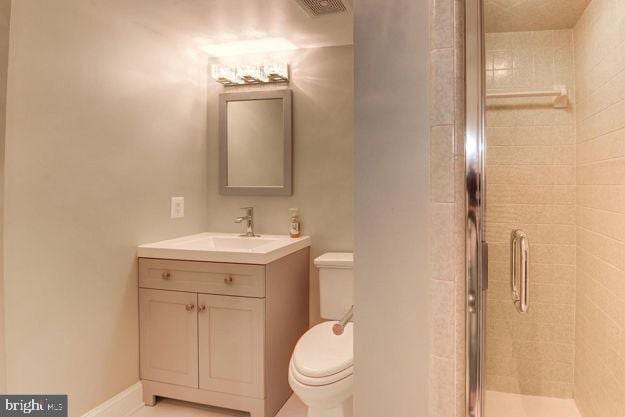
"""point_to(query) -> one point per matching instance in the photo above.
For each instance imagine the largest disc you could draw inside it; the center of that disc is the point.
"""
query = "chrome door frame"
(476, 249)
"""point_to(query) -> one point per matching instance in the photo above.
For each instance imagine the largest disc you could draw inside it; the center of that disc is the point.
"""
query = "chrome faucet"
(249, 222)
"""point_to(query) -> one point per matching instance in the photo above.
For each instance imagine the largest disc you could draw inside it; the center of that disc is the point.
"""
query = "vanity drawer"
(202, 277)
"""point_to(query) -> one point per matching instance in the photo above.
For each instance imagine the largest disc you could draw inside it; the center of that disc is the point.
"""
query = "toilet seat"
(321, 357)
(320, 381)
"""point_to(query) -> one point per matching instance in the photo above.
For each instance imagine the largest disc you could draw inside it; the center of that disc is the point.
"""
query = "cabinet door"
(168, 336)
(231, 333)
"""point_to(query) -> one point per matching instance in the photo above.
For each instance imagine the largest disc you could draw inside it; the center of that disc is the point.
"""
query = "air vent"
(317, 8)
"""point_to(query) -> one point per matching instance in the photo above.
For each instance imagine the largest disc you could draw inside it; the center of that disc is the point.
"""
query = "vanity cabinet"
(221, 334)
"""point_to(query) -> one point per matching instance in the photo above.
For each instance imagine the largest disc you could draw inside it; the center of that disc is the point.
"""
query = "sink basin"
(225, 247)
(234, 243)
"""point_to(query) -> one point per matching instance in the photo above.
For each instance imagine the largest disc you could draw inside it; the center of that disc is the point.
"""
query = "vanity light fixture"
(224, 74)
(277, 72)
(250, 74)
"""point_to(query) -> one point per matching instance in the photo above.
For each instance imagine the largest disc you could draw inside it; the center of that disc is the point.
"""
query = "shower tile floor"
(171, 408)
(501, 404)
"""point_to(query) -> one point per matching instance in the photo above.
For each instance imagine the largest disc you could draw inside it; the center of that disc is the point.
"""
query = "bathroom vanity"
(219, 317)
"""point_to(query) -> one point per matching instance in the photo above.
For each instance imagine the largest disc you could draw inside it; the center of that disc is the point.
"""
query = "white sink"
(225, 247)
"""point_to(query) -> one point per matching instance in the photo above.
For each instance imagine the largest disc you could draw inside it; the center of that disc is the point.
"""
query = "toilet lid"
(320, 353)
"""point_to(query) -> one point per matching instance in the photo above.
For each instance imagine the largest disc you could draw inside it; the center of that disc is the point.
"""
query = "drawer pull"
(228, 280)
(189, 307)
(166, 275)
(201, 308)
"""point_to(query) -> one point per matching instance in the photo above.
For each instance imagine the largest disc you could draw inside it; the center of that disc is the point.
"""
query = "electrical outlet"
(177, 207)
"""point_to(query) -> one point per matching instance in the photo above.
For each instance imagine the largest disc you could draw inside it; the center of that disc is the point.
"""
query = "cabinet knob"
(166, 275)
(189, 307)
(228, 280)
(201, 308)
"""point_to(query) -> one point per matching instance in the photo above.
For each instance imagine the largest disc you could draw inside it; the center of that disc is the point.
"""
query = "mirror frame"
(287, 188)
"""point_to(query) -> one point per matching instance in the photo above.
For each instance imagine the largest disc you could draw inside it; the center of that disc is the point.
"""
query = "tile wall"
(600, 308)
(531, 186)
(447, 208)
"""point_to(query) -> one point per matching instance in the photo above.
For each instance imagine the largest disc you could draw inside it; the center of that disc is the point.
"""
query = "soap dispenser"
(295, 224)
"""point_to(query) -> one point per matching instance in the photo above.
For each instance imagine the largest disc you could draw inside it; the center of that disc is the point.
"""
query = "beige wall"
(531, 186)
(321, 80)
(391, 201)
(446, 231)
(106, 121)
(5, 17)
(600, 326)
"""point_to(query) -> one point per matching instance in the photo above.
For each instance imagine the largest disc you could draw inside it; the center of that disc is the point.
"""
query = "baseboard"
(122, 405)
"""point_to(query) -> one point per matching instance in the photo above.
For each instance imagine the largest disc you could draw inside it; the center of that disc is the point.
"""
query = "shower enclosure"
(545, 208)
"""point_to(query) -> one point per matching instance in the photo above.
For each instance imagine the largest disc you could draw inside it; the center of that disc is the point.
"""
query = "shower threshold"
(502, 404)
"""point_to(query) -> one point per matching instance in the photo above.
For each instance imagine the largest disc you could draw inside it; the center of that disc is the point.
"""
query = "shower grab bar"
(559, 92)
(520, 278)
(339, 327)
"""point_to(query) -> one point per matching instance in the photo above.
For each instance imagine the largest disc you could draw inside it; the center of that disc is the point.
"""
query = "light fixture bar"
(266, 73)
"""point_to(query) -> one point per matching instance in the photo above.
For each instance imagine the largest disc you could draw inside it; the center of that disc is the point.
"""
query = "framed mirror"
(256, 143)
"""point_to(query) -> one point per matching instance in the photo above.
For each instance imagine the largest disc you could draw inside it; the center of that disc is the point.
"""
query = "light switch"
(177, 207)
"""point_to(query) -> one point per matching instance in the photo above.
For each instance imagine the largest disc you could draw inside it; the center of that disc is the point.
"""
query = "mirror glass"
(255, 143)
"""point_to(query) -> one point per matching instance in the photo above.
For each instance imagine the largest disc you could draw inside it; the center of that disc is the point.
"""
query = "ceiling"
(207, 22)
(529, 15)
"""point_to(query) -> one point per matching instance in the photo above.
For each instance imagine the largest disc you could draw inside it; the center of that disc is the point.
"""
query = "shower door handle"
(520, 271)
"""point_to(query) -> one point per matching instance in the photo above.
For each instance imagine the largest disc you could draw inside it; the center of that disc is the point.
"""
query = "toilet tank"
(336, 284)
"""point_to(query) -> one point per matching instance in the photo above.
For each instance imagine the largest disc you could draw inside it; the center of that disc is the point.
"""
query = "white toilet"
(321, 368)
